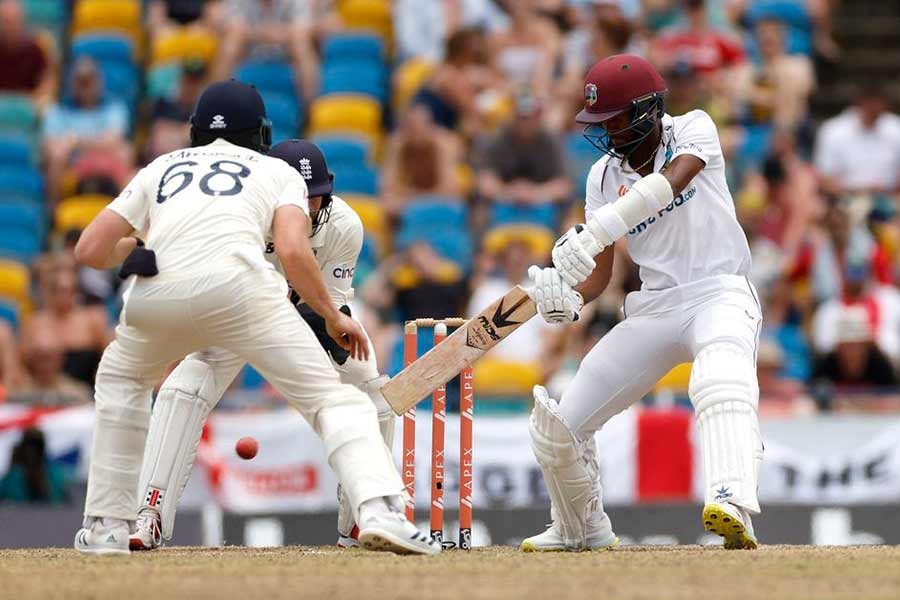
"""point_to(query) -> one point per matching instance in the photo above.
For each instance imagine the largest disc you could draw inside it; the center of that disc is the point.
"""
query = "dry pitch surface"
(689, 572)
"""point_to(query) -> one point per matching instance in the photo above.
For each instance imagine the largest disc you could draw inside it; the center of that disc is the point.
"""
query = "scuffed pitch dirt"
(651, 573)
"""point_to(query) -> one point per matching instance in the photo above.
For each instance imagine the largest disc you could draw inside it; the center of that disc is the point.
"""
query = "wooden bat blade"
(444, 361)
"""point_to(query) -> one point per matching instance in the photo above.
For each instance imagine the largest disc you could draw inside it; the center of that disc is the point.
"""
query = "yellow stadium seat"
(408, 79)
(367, 14)
(676, 380)
(106, 15)
(506, 378)
(539, 239)
(76, 212)
(182, 44)
(15, 282)
(346, 113)
(373, 218)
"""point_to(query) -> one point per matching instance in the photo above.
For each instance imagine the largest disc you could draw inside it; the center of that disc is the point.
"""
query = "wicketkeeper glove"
(141, 262)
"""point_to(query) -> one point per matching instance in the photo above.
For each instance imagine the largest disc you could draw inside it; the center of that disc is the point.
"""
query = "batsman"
(661, 186)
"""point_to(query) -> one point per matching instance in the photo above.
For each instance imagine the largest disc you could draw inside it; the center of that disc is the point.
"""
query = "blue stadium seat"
(21, 184)
(440, 222)
(435, 211)
(21, 245)
(363, 180)
(353, 47)
(581, 156)
(343, 150)
(268, 76)
(10, 314)
(21, 216)
(122, 81)
(367, 78)
(18, 114)
(16, 151)
(545, 215)
(103, 48)
(284, 112)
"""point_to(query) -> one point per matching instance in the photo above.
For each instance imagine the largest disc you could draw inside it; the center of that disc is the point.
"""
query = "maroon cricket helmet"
(615, 84)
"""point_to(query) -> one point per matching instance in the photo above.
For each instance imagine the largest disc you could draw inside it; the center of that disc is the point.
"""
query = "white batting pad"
(356, 451)
(182, 405)
(725, 394)
(570, 469)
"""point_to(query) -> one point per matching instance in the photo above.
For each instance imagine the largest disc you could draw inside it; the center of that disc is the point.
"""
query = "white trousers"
(661, 330)
(247, 313)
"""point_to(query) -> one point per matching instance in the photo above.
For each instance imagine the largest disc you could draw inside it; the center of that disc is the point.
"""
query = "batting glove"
(555, 299)
(573, 254)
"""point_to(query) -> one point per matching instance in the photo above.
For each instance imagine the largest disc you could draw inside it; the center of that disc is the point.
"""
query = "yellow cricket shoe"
(731, 523)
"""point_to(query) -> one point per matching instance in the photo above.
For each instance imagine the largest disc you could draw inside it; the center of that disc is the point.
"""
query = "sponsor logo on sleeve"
(343, 272)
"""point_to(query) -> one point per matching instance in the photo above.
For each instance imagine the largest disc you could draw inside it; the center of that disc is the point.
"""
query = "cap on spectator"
(769, 354)
(528, 105)
(539, 239)
(856, 271)
(853, 325)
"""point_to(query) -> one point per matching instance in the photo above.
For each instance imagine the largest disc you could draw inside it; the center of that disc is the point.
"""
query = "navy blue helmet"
(234, 111)
(309, 161)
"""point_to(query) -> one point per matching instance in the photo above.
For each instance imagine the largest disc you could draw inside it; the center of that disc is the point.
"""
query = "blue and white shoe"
(103, 536)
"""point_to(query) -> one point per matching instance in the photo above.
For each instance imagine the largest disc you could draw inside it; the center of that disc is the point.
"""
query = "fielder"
(661, 185)
(206, 211)
(180, 411)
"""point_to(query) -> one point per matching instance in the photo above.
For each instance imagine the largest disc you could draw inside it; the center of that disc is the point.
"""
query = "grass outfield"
(689, 572)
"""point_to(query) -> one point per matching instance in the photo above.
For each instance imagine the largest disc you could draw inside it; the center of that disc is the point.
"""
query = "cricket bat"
(444, 361)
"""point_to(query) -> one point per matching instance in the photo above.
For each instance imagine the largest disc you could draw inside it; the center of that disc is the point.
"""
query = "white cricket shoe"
(148, 531)
(600, 537)
(383, 527)
(349, 540)
(732, 523)
(103, 536)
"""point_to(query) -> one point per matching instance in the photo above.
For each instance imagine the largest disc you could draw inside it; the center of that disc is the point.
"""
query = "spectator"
(776, 91)
(422, 28)
(858, 151)
(170, 127)
(165, 15)
(777, 392)
(843, 243)
(32, 476)
(82, 330)
(462, 89)
(44, 382)
(855, 362)
(90, 122)
(25, 67)
(10, 371)
(705, 48)
(881, 304)
(420, 160)
(269, 30)
(417, 282)
(524, 163)
(528, 50)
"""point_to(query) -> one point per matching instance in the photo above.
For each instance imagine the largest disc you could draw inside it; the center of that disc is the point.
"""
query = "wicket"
(438, 418)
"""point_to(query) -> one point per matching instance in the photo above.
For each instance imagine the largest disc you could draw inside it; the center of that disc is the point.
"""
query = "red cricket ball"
(246, 447)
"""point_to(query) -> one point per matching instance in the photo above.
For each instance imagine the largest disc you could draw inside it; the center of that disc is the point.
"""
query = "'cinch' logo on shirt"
(622, 190)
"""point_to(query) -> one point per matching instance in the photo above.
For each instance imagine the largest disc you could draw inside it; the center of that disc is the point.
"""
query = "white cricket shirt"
(697, 235)
(198, 206)
(337, 245)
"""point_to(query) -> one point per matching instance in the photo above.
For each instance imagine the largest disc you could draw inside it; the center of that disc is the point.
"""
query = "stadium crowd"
(450, 127)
